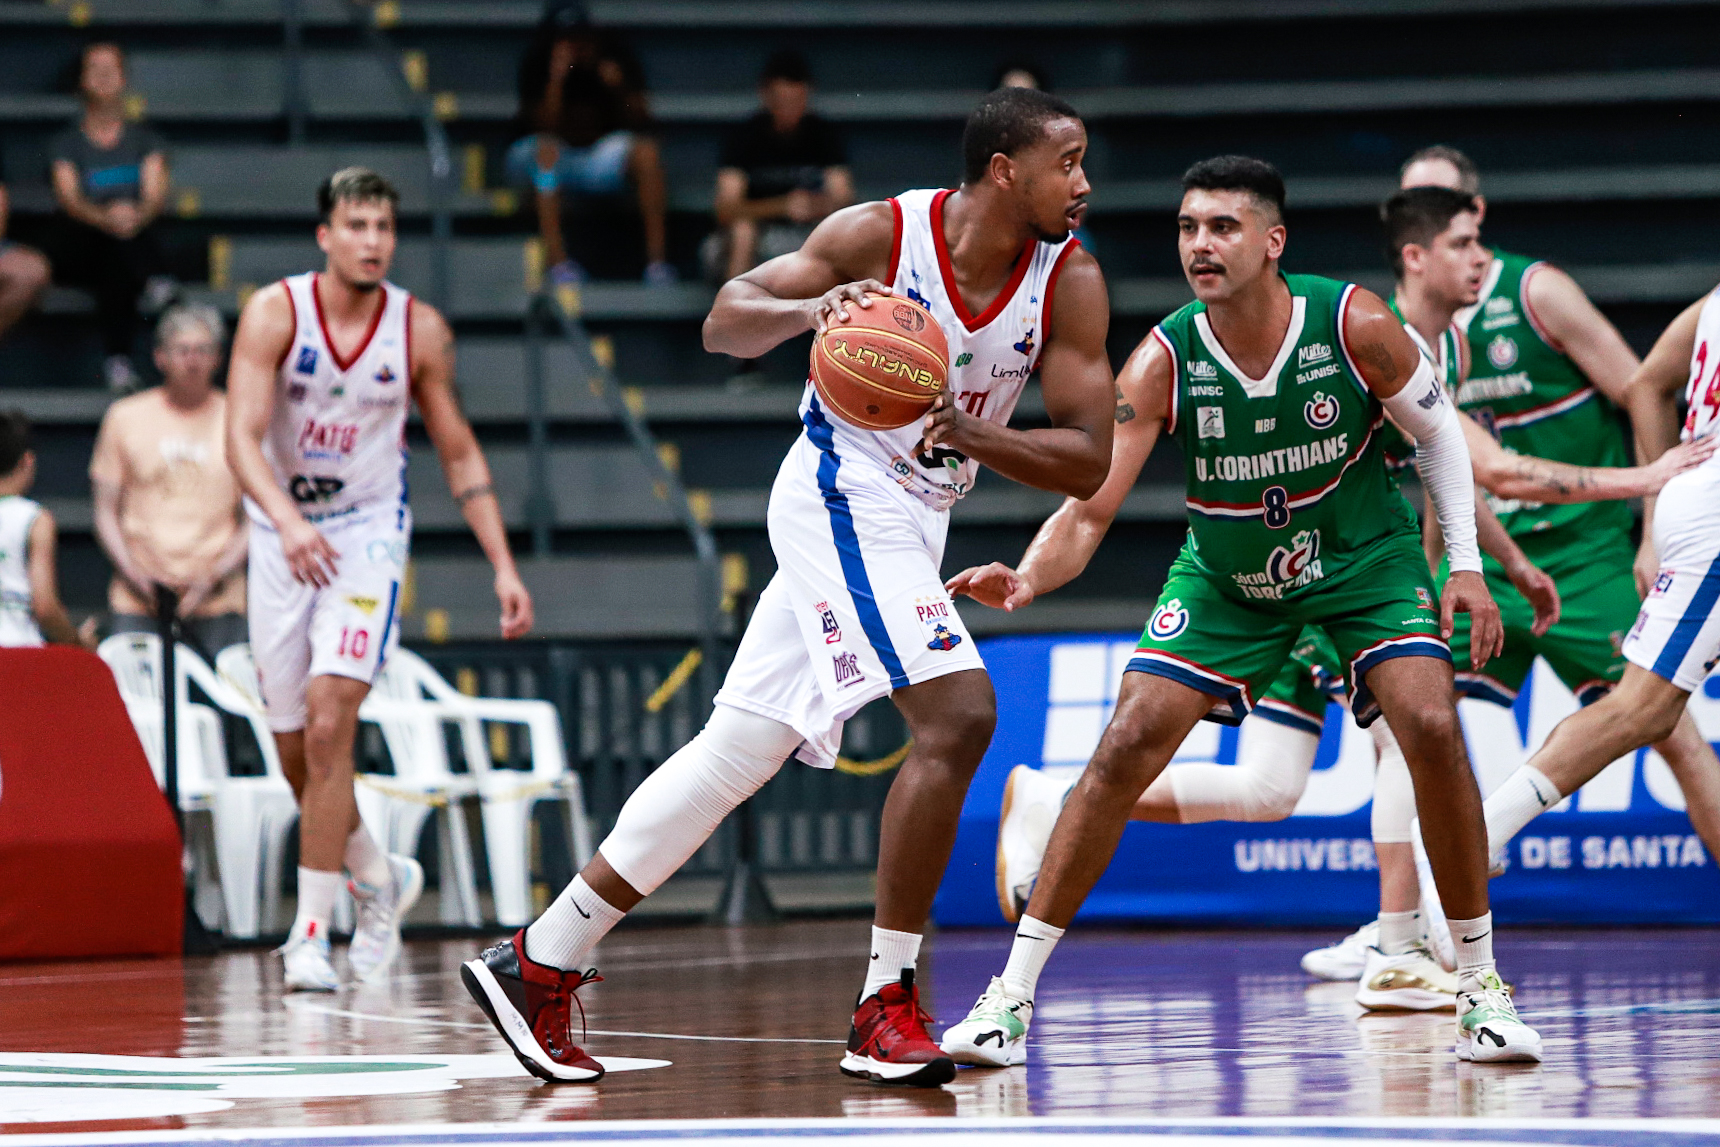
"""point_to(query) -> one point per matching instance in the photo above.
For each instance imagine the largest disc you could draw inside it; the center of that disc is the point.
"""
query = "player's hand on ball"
(1465, 592)
(516, 605)
(995, 585)
(1539, 590)
(308, 553)
(832, 306)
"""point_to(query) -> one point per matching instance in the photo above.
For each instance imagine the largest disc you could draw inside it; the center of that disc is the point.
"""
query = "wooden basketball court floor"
(734, 1034)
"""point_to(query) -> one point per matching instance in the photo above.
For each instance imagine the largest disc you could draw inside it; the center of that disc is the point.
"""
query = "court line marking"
(426, 1021)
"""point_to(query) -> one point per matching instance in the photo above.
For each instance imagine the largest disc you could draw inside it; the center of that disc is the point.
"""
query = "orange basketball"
(884, 367)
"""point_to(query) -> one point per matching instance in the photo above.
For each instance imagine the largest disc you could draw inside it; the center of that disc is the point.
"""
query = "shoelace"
(909, 1016)
(1496, 999)
(562, 993)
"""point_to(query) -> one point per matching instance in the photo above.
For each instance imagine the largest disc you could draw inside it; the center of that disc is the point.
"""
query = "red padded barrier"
(89, 855)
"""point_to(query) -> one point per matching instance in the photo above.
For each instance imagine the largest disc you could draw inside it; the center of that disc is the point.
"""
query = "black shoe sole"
(934, 1074)
(482, 999)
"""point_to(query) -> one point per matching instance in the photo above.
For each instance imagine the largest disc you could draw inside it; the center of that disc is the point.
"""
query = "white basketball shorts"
(1677, 634)
(344, 630)
(857, 608)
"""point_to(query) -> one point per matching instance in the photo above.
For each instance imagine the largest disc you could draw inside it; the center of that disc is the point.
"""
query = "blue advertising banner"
(1620, 851)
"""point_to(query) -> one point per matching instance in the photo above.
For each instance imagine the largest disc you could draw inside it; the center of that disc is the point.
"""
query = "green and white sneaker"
(994, 1033)
(1488, 1030)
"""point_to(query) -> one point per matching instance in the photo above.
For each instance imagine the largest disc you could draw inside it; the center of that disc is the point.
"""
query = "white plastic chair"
(506, 796)
(249, 817)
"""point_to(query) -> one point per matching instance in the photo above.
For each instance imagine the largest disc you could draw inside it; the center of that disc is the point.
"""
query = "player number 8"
(1276, 502)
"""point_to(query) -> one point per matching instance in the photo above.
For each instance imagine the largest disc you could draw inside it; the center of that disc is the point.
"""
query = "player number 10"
(354, 643)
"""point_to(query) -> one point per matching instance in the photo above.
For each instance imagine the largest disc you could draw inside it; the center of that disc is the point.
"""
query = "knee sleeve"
(1394, 793)
(675, 809)
(1271, 770)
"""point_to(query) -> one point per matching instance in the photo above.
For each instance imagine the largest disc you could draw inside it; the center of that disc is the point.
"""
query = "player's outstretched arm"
(1068, 539)
(1652, 400)
(264, 336)
(1533, 479)
(1073, 456)
(463, 462)
(845, 257)
(1404, 382)
(1576, 326)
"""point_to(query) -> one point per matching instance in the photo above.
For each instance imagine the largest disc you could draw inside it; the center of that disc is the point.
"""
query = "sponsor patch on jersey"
(1319, 372)
(934, 614)
(1662, 583)
(846, 666)
(365, 605)
(942, 639)
(1287, 567)
(1202, 369)
(827, 623)
(1209, 421)
(307, 363)
(1499, 312)
(1311, 354)
(1423, 598)
(1168, 620)
(1321, 411)
(385, 375)
(1502, 352)
(1265, 425)
(964, 358)
(1206, 391)
(1025, 346)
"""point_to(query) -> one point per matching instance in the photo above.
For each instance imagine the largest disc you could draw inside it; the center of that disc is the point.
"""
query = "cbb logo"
(1169, 620)
(1321, 411)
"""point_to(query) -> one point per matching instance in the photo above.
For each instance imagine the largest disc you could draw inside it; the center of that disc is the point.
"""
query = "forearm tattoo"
(467, 495)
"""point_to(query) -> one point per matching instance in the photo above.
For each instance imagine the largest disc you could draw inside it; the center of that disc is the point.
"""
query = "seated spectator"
(29, 583)
(781, 172)
(167, 508)
(584, 112)
(23, 272)
(110, 179)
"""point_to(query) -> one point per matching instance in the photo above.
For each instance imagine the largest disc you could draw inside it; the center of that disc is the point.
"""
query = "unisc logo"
(1321, 411)
(1169, 620)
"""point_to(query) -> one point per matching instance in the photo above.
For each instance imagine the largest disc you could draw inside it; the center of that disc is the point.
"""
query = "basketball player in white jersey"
(29, 585)
(857, 609)
(324, 367)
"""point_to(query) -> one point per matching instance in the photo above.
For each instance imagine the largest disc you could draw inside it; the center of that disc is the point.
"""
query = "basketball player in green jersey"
(1292, 522)
(1545, 370)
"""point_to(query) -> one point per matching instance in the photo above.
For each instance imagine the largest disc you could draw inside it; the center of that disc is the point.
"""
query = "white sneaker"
(1438, 929)
(1031, 802)
(376, 933)
(1410, 981)
(1345, 959)
(994, 1033)
(1488, 1030)
(308, 968)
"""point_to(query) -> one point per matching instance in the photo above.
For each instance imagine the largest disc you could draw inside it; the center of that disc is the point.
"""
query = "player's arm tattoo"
(1380, 358)
(472, 492)
(1125, 411)
(1563, 480)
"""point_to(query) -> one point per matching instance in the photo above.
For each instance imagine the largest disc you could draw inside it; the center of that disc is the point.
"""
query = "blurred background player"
(166, 504)
(324, 368)
(857, 610)
(30, 606)
(24, 272)
(110, 182)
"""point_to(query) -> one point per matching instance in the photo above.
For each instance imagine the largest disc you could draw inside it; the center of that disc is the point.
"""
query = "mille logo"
(883, 363)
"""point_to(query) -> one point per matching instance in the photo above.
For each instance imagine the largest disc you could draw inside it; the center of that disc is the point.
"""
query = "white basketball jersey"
(1702, 392)
(17, 621)
(991, 354)
(337, 441)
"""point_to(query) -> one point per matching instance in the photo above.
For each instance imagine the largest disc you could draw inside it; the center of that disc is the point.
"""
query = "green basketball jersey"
(1286, 479)
(1535, 400)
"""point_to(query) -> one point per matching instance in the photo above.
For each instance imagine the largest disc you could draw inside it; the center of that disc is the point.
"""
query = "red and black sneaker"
(528, 1002)
(888, 1042)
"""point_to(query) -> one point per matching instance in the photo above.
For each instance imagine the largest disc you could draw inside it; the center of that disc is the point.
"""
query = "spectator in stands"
(29, 584)
(781, 172)
(1021, 74)
(584, 115)
(110, 180)
(23, 272)
(167, 508)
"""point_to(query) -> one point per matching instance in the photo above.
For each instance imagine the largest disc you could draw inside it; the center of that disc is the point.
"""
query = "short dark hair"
(1239, 173)
(14, 440)
(1006, 121)
(1419, 215)
(354, 185)
(786, 64)
(1468, 175)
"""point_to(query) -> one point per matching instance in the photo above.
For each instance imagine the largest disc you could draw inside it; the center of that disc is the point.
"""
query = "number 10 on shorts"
(354, 643)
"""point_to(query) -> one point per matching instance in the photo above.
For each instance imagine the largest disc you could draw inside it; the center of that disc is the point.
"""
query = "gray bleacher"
(1600, 120)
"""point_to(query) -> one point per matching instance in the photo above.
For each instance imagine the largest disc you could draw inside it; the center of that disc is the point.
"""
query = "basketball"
(884, 367)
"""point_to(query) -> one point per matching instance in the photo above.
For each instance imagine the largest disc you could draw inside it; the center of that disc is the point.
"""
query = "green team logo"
(964, 358)
(1502, 352)
(1168, 621)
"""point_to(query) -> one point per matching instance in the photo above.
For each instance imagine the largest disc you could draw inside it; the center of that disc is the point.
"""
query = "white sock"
(891, 953)
(1034, 940)
(366, 864)
(1399, 931)
(1474, 940)
(318, 891)
(571, 927)
(1525, 795)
